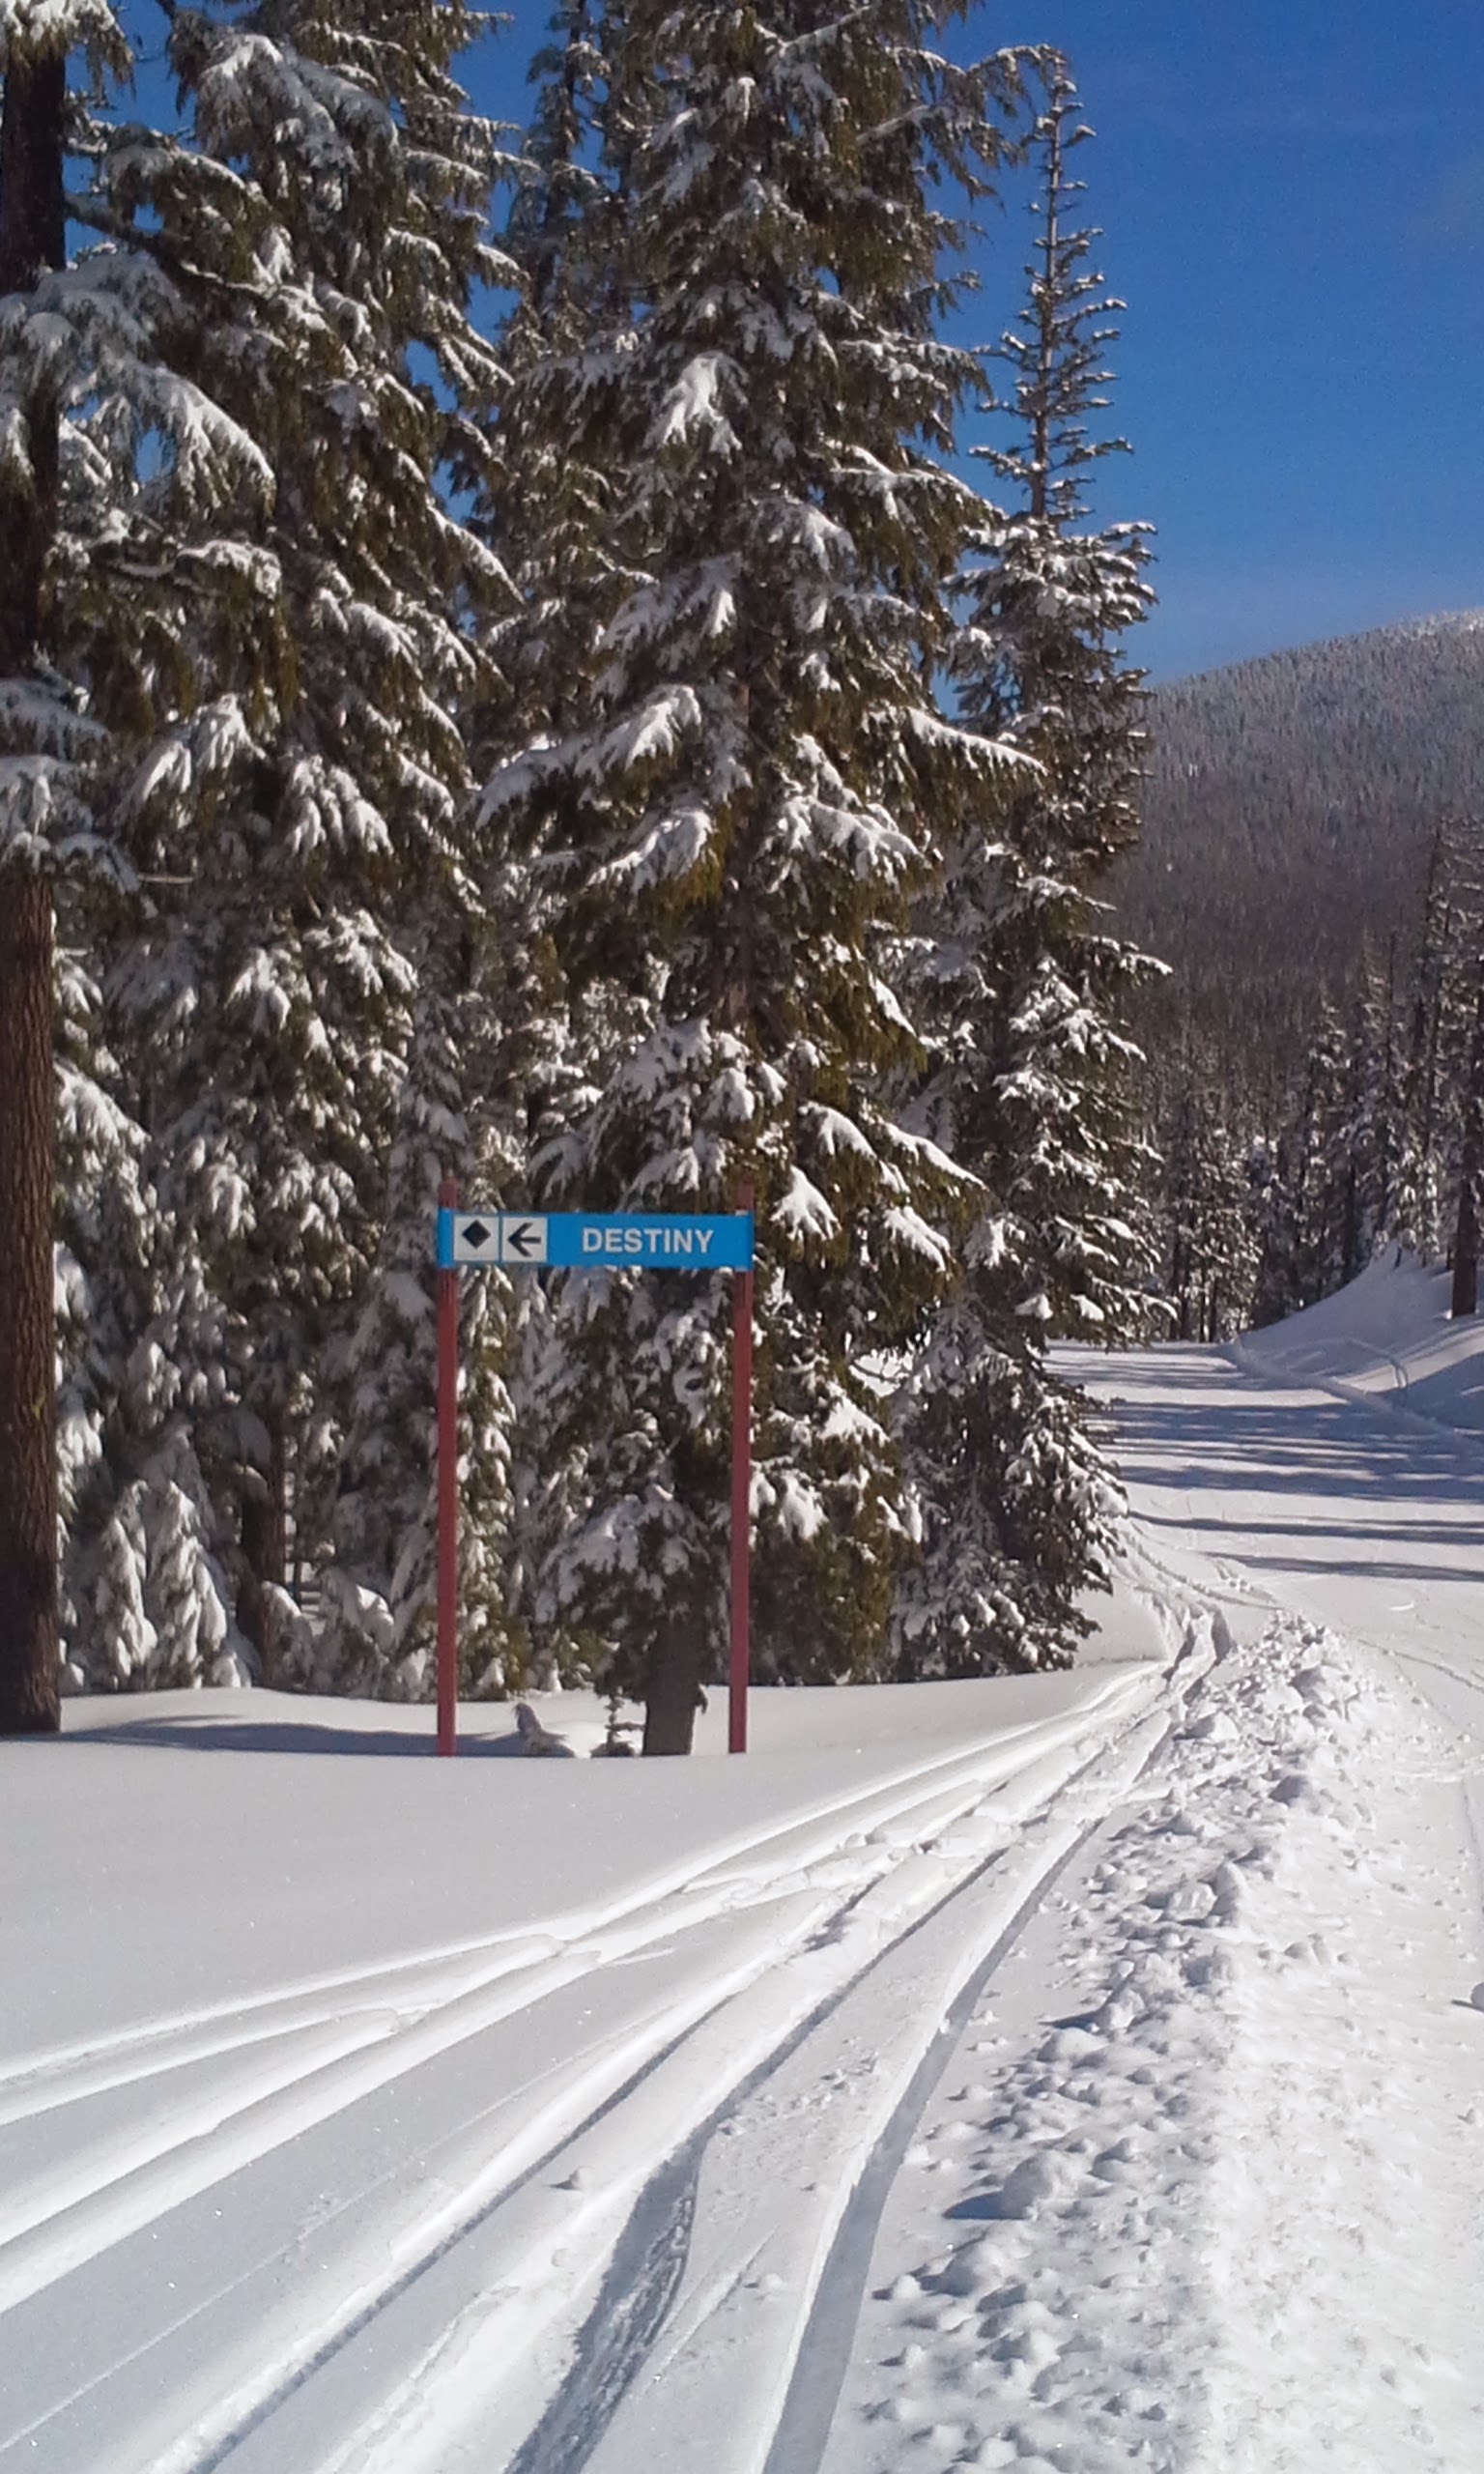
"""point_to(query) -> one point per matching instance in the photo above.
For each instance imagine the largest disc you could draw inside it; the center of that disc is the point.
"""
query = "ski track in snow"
(1113, 2242)
(1222, 2212)
(104, 2062)
(181, 2405)
(499, 2324)
(1082, 2098)
(772, 2176)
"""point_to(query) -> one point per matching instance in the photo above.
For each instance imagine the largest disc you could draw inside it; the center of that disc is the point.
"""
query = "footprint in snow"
(1023, 2193)
(1293, 1790)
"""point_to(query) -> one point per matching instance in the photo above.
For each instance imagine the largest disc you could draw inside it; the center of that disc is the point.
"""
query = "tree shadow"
(207, 1733)
(1393, 1485)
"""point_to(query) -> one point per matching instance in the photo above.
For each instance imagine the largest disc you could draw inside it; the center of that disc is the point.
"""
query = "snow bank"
(1386, 1337)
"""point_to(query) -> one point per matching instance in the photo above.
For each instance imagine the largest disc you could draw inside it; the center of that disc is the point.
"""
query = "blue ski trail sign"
(593, 1241)
(669, 1241)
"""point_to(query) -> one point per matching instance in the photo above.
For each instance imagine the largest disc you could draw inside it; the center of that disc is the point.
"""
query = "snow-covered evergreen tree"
(1468, 1214)
(377, 1630)
(1309, 1204)
(1021, 989)
(116, 463)
(739, 784)
(1417, 1214)
(1041, 665)
(1207, 1184)
(560, 184)
(1008, 1509)
(327, 217)
(1379, 1014)
(145, 1598)
(1011, 1510)
(1358, 1135)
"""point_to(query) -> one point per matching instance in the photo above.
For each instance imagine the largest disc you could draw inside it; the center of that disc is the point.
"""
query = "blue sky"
(1292, 194)
(1293, 197)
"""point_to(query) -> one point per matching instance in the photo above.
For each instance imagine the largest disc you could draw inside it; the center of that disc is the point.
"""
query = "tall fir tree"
(1207, 1188)
(1041, 665)
(327, 213)
(112, 457)
(1469, 1211)
(738, 786)
(1029, 1069)
(1417, 1216)
(145, 1599)
(378, 1588)
(560, 186)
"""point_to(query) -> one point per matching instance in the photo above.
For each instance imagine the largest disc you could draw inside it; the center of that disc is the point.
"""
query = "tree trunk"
(28, 1456)
(1465, 1252)
(265, 1545)
(32, 239)
(672, 1694)
(1466, 1234)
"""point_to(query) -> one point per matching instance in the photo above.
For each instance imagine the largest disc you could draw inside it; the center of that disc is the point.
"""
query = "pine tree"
(145, 1599)
(1208, 1185)
(1391, 1145)
(1028, 1068)
(1311, 1213)
(560, 190)
(737, 788)
(1464, 1298)
(1417, 1213)
(300, 809)
(1041, 666)
(1356, 1137)
(109, 450)
(378, 1633)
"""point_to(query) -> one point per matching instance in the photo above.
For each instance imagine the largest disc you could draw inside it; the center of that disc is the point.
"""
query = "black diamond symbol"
(475, 1233)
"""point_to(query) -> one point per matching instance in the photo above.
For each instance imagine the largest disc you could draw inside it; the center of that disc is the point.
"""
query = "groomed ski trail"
(455, 2213)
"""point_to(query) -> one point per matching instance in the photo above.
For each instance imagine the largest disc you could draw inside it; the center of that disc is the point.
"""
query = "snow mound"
(1388, 1338)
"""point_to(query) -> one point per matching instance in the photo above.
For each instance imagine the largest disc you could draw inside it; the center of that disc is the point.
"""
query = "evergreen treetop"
(1041, 666)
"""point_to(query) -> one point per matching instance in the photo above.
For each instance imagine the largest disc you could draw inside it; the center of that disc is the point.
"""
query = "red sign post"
(447, 1492)
(741, 1496)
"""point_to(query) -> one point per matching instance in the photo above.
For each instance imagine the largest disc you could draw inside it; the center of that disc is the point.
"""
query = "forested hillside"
(1288, 811)
(1311, 870)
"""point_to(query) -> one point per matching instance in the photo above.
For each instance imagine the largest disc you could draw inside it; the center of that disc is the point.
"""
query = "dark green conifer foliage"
(560, 188)
(114, 459)
(1028, 1070)
(739, 784)
(1470, 1160)
(1207, 1184)
(326, 216)
(1417, 1215)
(1041, 666)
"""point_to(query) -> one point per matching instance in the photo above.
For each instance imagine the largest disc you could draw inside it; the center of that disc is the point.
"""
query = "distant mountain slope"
(1289, 808)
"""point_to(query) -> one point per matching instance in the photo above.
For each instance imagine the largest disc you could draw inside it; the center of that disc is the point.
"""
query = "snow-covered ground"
(1078, 2072)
